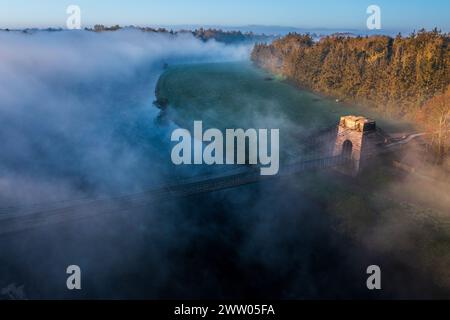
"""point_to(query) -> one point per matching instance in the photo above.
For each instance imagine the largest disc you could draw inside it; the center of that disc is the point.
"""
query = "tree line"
(405, 77)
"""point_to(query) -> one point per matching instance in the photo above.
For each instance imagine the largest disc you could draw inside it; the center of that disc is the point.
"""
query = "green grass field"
(240, 95)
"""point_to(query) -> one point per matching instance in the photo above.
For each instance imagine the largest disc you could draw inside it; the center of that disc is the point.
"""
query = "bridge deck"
(27, 219)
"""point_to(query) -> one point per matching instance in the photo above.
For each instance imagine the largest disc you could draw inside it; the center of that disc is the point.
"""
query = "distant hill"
(204, 34)
(219, 35)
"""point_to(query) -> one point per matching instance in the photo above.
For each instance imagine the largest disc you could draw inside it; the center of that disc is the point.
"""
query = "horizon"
(283, 15)
(257, 30)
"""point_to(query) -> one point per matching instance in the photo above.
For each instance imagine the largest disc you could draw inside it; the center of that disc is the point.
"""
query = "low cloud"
(74, 107)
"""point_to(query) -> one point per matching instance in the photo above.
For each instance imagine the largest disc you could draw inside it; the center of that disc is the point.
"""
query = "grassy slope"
(240, 87)
(367, 209)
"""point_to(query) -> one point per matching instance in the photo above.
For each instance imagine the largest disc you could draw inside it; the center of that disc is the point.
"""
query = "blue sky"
(398, 15)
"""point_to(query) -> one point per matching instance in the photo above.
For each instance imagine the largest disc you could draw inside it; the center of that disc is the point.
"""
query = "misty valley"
(93, 173)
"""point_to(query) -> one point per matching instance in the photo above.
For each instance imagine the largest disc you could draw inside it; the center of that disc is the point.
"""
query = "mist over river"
(82, 124)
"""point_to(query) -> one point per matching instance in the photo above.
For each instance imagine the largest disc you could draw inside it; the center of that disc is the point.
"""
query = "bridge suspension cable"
(15, 222)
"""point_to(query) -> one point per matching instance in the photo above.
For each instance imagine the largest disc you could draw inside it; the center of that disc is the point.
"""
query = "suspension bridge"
(326, 155)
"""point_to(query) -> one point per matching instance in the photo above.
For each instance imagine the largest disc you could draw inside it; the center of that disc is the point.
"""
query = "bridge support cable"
(10, 223)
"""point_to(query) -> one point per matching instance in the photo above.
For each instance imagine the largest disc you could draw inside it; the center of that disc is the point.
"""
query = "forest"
(404, 77)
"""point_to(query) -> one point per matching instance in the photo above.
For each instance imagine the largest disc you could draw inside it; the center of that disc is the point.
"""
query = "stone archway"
(347, 149)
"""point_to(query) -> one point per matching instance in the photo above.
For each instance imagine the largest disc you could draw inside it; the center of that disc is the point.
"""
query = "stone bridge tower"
(357, 140)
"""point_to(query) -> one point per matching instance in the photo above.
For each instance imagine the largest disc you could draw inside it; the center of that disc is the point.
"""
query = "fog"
(75, 110)
(77, 121)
